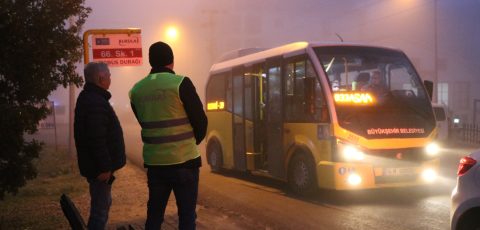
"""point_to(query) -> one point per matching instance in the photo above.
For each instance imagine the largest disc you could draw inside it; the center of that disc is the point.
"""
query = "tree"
(39, 47)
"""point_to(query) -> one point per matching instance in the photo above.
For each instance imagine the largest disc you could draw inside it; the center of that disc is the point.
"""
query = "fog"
(208, 29)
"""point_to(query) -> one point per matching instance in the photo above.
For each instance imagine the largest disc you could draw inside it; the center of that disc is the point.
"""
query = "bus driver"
(377, 85)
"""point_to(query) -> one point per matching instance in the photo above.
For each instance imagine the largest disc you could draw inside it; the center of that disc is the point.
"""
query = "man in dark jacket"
(99, 141)
(173, 123)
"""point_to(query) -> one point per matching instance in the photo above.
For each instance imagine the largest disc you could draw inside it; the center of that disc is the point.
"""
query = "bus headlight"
(432, 149)
(352, 153)
(354, 179)
(429, 175)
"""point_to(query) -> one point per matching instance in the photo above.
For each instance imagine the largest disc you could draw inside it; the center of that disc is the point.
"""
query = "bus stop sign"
(117, 49)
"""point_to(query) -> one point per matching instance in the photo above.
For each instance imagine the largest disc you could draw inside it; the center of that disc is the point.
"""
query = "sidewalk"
(129, 205)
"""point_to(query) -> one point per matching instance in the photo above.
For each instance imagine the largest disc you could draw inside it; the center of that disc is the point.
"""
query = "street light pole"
(435, 61)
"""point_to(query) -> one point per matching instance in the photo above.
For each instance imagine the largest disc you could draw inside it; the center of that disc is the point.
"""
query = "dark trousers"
(100, 202)
(184, 183)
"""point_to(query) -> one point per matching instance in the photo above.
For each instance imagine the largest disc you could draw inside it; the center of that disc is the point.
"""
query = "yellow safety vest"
(167, 134)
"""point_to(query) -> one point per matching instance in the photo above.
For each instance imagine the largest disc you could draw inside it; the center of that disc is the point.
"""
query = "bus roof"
(237, 57)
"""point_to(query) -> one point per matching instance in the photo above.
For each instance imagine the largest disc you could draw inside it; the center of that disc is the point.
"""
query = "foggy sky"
(210, 28)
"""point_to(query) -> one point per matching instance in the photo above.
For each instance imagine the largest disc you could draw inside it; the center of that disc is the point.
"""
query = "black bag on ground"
(71, 213)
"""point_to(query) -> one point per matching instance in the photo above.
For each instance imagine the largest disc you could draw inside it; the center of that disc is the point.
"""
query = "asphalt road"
(254, 202)
(232, 200)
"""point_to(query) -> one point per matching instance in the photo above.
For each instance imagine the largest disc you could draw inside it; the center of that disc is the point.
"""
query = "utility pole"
(435, 61)
(71, 110)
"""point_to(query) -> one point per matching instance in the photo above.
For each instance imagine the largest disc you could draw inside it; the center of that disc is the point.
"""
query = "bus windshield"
(376, 89)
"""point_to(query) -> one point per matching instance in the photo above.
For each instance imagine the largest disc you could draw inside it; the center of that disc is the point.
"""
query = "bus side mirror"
(309, 95)
(429, 87)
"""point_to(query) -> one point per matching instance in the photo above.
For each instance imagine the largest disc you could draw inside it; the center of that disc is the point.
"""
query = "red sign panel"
(117, 49)
(117, 53)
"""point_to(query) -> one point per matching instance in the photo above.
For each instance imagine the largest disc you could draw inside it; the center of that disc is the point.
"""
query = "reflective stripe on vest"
(166, 131)
(167, 139)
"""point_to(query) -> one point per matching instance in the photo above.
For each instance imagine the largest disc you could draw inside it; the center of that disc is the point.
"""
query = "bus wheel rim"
(213, 158)
(301, 174)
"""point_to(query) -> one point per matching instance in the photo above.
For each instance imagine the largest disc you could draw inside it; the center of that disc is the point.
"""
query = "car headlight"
(432, 149)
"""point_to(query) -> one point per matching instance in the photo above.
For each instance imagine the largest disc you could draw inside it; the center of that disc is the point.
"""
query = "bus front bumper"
(354, 176)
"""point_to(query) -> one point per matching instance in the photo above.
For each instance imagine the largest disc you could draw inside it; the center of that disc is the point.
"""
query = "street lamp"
(171, 33)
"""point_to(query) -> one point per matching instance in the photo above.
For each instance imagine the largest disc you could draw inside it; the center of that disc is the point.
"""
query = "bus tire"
(302, 178)
(214, 157)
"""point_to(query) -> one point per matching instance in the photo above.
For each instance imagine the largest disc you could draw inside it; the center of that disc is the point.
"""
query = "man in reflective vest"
(173, 123)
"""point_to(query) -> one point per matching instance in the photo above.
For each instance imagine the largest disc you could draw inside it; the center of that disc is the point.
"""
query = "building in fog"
(440, 37)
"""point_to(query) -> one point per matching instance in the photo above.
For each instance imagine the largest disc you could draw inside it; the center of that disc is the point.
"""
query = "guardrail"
(468, 133)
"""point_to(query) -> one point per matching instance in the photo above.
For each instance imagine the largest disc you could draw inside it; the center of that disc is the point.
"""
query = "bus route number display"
(117, 49)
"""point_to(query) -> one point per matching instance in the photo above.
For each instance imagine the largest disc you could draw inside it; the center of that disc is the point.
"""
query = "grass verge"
(37, 206)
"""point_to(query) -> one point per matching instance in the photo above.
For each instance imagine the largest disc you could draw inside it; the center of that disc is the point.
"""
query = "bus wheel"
(301, 175)
(214, 157)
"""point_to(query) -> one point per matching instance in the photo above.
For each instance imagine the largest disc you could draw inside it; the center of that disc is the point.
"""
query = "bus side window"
(304, 97)
(320, 111)
(215, 93)
(294, 98)
(309, 95)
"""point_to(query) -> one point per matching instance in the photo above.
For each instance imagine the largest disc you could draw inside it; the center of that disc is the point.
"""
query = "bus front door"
(274, 120)
(255, 83)
(239, 153)
(264, 120)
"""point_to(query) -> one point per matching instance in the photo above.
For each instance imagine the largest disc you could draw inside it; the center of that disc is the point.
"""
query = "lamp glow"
(172, 33)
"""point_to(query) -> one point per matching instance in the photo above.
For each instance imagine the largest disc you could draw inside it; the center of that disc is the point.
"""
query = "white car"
(465, 209)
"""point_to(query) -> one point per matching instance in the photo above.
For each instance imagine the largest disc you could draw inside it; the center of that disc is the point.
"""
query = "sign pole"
(71, 110)
(52, 106)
